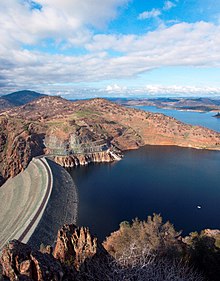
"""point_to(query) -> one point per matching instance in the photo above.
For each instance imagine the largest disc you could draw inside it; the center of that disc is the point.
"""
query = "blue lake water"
(204, 119)
(168, 180)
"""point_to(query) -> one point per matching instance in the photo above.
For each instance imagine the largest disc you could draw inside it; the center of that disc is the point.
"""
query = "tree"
(160, 238)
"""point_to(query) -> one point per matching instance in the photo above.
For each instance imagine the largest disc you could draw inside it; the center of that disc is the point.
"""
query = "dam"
(31, 203)
(40, 200)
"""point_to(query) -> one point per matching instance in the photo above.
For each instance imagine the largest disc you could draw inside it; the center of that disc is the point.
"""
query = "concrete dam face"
(36, 203)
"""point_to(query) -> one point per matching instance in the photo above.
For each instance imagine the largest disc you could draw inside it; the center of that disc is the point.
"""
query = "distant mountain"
(18, 98)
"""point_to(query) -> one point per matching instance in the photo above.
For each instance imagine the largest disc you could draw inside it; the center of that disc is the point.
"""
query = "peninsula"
(217, 115)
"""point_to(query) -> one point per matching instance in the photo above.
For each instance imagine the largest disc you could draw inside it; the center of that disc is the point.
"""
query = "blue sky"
(126, 48)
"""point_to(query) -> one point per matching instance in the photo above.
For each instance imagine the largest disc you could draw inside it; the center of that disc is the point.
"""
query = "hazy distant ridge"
(18, 98)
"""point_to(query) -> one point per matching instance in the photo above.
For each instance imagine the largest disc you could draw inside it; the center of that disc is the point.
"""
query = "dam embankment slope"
(36, 203)
(61, 208)
(21, 198)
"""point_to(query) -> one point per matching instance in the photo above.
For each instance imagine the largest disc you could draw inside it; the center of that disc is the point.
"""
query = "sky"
(114, 48)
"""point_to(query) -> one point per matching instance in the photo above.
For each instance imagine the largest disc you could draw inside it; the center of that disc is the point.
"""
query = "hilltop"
(18, 98)
(25, 128)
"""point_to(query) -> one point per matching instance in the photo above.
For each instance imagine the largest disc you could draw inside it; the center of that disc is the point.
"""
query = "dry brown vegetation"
(160, 238)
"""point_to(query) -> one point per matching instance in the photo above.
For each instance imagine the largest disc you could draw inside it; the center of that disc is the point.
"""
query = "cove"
(168, 180)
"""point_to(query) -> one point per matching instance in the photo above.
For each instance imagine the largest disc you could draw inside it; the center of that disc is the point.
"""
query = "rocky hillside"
(32, 129)
(143, 250)
(19, 142)
(5, 104)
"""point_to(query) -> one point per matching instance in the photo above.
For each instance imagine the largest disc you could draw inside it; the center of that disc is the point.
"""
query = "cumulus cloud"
(183, 44)
(105, 56)
(149, 14)
(194, 44)
(29, 22)
(115, 89)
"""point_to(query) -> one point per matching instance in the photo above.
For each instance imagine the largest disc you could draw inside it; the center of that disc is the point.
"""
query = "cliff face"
(57, 126)
(84, 159)
(74, 246)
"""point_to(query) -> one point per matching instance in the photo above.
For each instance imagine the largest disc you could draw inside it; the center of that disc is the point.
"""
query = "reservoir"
(204, 119)
(169, 180)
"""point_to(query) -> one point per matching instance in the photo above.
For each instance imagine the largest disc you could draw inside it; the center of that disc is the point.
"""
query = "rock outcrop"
(19, 262)
(74, 245)
(78, 256)
(84, 159)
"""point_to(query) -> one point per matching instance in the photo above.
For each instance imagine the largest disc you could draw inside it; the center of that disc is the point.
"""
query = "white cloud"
(183, 44)
(195, 45)
(57, 19)
(146, 91)
(151, 91)
(168, 5)
(155, 13)
(115, 89)
(149, 14)
(180, 90)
